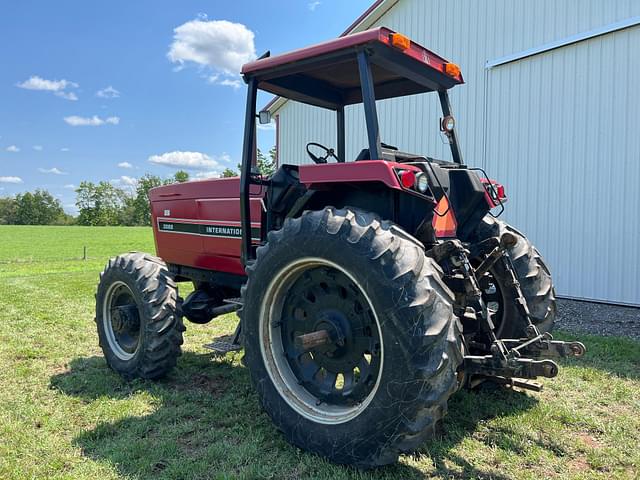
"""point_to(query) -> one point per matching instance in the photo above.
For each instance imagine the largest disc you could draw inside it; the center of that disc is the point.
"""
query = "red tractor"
(368, 290)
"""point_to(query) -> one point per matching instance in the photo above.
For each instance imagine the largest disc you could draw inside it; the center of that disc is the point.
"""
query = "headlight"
(422, 183)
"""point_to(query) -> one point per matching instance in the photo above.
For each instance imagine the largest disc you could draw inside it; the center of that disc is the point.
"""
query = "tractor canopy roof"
(327, 74)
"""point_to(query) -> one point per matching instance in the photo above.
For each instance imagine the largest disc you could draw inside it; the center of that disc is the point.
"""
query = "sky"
(113, 90)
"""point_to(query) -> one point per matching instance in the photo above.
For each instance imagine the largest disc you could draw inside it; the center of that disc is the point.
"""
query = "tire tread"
(160, 305)
(432, 332)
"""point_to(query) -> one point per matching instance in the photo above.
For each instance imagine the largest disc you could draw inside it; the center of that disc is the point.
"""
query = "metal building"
(551, 108)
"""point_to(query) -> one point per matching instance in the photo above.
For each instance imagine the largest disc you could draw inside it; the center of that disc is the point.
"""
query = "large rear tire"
(137, 315)
(535, 281)
(383, 386)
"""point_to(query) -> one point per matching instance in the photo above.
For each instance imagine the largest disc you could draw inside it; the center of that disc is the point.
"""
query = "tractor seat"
(363, 155)
(386, 152)
(389, 153)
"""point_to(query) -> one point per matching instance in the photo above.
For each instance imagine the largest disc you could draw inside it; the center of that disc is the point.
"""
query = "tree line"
(102, 203)
(33, 208)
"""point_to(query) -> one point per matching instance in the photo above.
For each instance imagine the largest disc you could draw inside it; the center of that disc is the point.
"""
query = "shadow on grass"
(205, 422)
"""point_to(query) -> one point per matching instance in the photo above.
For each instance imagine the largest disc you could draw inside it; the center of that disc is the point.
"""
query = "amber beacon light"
(451, 69)
(400, 41)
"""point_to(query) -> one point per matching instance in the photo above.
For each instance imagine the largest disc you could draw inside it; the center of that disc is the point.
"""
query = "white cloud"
(218, 79)
(64, 149)
(208, 174)
(95, 121)
(57, 87)
(39, 83)
(189, 160)
(70, 186)
(13, 149)
(10, 180)
(108, 92)
(53, 170)
(313, 5)
(128, 180)
(225, 158)
(231, 83)
(267, 126)
(125, 165)
(37, 148)
(124, 181)
(67, 95)
(219, 45)
(71, 208)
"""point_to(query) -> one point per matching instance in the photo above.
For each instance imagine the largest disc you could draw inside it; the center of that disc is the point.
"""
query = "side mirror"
(264, 117)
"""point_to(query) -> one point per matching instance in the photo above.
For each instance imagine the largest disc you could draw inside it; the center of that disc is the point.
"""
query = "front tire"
(370, 284)
(535, 281)
(137, 316)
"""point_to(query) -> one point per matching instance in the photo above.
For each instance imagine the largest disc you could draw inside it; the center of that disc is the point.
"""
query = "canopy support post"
(369, 101)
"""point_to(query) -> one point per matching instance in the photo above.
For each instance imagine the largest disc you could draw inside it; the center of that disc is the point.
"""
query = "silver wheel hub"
(329, 383)
(121, 321)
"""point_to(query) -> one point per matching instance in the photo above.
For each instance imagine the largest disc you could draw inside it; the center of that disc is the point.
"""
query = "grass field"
(64, 414)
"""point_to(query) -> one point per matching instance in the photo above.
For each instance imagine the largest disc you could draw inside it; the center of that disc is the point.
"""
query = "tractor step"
(226, 343)
(221, 347)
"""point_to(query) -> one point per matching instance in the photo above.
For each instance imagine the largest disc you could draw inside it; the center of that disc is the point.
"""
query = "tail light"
(495, 192)
(407, 178)
(414, 180)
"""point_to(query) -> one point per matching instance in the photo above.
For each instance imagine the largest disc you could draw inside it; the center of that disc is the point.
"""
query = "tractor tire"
(370, 284)
(137, 316)
(535, 282)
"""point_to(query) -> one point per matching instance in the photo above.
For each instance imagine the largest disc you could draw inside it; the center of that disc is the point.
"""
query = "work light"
(422, 183)
(447, 124)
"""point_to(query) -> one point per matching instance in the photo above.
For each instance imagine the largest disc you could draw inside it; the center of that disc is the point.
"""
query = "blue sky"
(110, 91)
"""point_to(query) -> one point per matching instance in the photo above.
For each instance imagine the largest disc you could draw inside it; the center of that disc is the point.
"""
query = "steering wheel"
(319, 159)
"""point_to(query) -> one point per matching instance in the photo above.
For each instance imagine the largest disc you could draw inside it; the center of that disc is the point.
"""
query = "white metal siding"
(573, 191)
(570, 154)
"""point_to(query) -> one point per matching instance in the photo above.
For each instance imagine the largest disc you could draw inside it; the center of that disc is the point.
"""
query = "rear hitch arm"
(489, 365)
(544, 346)
(506, 241)
(524, 358)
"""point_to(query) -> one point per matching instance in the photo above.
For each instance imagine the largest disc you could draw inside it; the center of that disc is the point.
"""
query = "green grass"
(64, 414)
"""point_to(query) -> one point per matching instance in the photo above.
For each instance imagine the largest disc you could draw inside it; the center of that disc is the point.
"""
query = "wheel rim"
(121, 320)
(331, 383)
